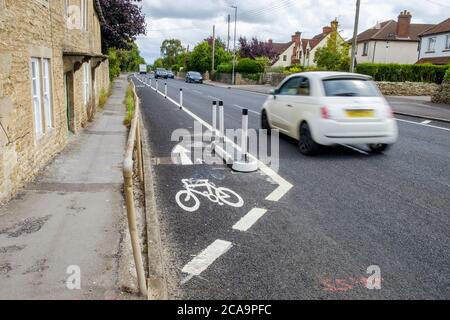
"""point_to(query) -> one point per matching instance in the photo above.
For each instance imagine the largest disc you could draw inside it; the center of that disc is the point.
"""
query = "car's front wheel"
(378, 147)
(306, 143)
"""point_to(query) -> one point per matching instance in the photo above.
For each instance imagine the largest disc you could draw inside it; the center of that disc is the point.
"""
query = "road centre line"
(202, 261)
(426, 122)
(422, 124)
(355, 149)
(283, 185)
(249, 219)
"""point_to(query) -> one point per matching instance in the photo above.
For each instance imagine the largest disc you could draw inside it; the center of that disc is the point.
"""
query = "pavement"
(317, 228)
(71, 218)
(420, 106)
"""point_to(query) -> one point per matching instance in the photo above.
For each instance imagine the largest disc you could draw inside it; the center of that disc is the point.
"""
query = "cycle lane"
(186, 234)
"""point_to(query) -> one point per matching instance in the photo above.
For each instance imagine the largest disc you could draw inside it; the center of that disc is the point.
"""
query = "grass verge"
(129, 103)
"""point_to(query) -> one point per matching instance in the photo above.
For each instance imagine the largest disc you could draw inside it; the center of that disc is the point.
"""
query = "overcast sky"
(191, 21)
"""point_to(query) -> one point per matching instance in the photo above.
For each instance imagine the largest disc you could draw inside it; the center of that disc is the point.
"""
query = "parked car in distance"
(161, 73)
(194, 77)
(330, 108)
(170, 74)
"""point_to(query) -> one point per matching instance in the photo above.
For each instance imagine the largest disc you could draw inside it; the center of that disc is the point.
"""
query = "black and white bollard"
(181, 98)
(165, 90)
(214, 117)
(221, 121)
(156, 85)
(245, 164)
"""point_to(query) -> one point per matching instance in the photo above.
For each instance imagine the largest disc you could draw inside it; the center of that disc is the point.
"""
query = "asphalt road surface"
(342, 215)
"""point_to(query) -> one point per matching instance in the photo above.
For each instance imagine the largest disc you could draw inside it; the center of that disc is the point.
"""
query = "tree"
(124, 22)
(219, 42)
(200, 59)
(159, 63)
(335, 55)
(170, 50)
(255, 48)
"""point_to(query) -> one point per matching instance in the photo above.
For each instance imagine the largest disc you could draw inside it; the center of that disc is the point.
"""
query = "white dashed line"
(249, 219)
(202, 261)
(355, 149)
(426, 122)
(424, 125)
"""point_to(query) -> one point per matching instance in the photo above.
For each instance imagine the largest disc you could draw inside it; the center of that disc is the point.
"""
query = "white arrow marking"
(183, 153)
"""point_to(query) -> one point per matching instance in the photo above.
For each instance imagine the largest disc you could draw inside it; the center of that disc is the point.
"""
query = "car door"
(279, 115)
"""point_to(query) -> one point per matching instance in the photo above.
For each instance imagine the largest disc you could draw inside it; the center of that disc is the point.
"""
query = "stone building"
(52, 73)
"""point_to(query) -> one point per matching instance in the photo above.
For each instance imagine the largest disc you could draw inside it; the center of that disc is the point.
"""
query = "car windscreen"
(195, 74)
(350, 87)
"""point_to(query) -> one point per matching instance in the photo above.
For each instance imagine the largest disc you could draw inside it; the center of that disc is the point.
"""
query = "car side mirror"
(274, 93)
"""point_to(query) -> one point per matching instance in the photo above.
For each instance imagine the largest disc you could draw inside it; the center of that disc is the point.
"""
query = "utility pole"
(228, 38)
(355, 36)
(233, 79)
(213, 49)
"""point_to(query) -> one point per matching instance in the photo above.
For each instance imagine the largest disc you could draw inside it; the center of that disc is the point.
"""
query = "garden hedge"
(404, 72)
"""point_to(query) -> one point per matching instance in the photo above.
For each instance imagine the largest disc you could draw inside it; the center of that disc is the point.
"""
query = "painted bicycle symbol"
(188, 199)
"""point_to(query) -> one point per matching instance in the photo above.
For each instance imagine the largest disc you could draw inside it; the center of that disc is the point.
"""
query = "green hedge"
(248, 65)
(447, 74)
(403, 72)
(225, 68)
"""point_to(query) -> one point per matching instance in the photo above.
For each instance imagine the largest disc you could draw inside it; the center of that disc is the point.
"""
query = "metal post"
(213, 49)
(244, 147)
(151, 82)
(165, 90)
(181, 98)
(228, 38)
(221, 120)
(233, 78)
(355, 37)
(139, 153)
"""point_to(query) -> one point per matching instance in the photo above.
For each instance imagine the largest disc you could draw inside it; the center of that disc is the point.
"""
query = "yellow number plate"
(360, 113)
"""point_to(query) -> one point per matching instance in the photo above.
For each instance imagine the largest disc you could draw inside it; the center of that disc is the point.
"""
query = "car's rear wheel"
(306, 143)
(265, 125)
(378, 147)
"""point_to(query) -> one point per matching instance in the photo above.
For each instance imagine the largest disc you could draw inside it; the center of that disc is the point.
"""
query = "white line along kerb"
(202, 261)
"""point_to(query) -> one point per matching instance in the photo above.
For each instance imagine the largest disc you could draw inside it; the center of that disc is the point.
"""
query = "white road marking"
(355, 149)
(183, 154)
(202, 261)
(197, 92)
(424, 125)
(238, 106)
(284, 186)
(426, 122)
(214, 98)
(249, 219)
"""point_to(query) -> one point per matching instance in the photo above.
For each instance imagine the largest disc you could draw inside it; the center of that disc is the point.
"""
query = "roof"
(314, 41)
(387, 31)
(99, 10)
(437, 60)
(281, 47)
(442, 27)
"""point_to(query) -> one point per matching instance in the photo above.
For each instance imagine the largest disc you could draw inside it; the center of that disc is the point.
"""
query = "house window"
(285, 58)
(447, 42)
(366, 49)
(48, 114)
(431, 44)
(86, 82)
(37, 101)
(84, 15)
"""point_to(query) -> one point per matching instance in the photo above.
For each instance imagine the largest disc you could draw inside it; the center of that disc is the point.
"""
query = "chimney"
(404, 24)
(327, 30)
(334, 25)
(296, 37)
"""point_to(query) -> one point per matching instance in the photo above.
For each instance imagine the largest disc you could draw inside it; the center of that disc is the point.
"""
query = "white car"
(330, 108)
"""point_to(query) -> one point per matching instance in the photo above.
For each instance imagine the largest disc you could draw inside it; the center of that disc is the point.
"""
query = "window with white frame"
(366, 49)
(431, 44)
(447, 42)
(86, 83)
(37, 99)
(48, 114)
(84, 14)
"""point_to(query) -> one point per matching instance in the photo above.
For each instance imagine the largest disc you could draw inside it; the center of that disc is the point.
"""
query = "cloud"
(191, 21)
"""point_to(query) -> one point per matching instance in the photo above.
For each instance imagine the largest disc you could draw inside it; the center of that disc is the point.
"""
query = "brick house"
(302, 50)
(391, 41)
(51, 74)
(435, 44)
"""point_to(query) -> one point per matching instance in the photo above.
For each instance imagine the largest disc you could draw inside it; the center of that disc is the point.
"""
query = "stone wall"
(240, 79)
(443, 94)
(407, 88)
(38, 29)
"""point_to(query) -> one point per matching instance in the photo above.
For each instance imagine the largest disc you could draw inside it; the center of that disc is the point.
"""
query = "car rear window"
(350, 88)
